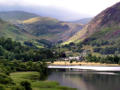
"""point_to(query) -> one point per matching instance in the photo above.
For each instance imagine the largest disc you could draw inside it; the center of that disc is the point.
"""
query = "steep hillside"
(11, 31)
(102, 35)
(16, 16)
(49, 28)
(105, 26)
(35, 27)
(14, 32)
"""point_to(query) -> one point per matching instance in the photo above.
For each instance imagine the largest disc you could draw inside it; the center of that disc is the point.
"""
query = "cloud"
(65, 7)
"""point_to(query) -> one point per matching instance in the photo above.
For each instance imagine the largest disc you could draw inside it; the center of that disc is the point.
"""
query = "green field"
(36, 84)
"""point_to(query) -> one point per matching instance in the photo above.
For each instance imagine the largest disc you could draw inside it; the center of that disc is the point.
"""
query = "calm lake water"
(88, 80)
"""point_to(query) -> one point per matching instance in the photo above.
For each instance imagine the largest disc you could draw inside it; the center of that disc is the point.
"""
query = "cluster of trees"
(14, 50)
(98, 43)
(7, 67)
(73, 47)
(93, 41)
(107, 50)
(111, 59)
(70, 46)
(24, 85)
(110, 47)
(16, 57)
(45, 42)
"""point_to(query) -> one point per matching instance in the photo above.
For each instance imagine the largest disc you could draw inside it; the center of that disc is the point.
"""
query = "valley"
(53, 48)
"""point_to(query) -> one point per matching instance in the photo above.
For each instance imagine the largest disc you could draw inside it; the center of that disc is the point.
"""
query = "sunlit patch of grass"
(36, 84)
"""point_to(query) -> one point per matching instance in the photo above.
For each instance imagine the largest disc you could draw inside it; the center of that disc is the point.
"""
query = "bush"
(119, 62)
(26, 85)
(71, 61)
(4, 79)
(2, 87)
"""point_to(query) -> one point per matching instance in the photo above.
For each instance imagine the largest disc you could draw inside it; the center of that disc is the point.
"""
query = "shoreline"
(74, 63)
(17, 77)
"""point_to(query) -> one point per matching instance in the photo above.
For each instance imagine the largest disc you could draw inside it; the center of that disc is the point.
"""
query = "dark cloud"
(58, 13)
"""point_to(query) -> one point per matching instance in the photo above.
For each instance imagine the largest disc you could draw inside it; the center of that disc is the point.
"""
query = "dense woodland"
(8, 67)
(111, 59)
(13, 50)
(16, 57)
(103, 47)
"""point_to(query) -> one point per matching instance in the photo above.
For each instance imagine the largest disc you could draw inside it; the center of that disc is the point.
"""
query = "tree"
(4, 79)
(43, 70)
(2, 87)
(26, 85)
(71, 61)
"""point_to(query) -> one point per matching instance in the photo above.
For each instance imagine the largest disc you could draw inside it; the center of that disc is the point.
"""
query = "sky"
(66, 10)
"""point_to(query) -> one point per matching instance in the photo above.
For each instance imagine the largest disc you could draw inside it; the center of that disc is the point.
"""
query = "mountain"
(83, 21)
(50, 28)
(34, 27)
(8, 30)
(16, 16)
(105, 26)
(11, 31)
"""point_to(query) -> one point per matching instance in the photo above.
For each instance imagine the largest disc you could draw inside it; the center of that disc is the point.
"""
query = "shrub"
(4, 79)
(2, 87)
(26, 85)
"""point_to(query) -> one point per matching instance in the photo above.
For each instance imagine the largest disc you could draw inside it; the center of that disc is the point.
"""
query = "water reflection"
(88, 80)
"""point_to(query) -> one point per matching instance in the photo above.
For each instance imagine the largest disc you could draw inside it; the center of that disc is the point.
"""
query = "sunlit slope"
(77, 37)
(50, 28)
(105, 26)
(33, 26)
(16, 16)
(38, 19)
(11, 31)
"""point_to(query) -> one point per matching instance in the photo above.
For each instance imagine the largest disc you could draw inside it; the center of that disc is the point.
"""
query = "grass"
(37, 19)
(36, 84)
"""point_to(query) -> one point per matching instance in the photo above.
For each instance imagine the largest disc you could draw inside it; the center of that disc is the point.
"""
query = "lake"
(87, 80)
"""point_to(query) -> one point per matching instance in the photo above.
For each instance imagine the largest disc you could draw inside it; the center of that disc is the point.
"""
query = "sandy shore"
(82, 63)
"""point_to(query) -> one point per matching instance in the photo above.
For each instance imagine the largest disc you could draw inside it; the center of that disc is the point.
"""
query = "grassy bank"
(82, 63)
(32, 77)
